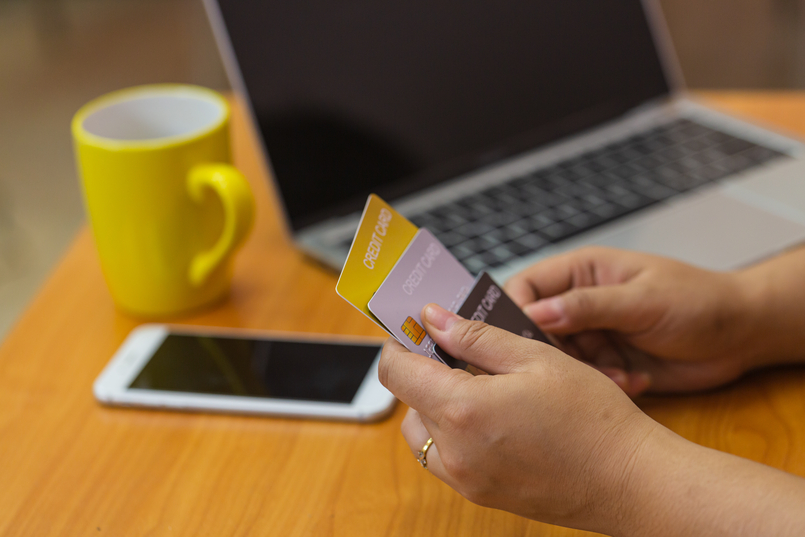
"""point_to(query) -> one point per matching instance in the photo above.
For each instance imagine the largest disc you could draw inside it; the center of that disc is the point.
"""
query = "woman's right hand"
(649, 323)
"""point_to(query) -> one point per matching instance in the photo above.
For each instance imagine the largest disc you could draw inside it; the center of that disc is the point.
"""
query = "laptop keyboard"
(494, 226)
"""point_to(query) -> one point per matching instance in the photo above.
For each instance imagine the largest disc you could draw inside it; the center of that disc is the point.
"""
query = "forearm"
(774, 297)
(676, 487)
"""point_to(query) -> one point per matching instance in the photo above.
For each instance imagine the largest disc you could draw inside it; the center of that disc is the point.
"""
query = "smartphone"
(219, 370)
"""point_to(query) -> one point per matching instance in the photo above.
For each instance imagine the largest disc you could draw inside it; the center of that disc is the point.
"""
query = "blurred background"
(55, 55)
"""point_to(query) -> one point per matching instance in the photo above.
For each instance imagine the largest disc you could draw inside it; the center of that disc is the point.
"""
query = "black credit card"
(487, 302)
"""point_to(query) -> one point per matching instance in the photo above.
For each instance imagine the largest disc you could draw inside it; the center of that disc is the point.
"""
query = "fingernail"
(438, 317)
(546, 311)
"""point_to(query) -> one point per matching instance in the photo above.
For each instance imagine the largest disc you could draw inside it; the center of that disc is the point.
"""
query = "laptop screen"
(389, 97)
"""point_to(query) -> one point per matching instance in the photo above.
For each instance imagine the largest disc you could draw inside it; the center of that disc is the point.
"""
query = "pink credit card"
(426, 272)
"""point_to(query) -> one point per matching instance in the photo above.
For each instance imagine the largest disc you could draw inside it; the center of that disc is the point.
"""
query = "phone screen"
(257, 368)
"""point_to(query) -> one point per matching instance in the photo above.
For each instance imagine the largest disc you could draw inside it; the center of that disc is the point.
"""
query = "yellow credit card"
(382, 237)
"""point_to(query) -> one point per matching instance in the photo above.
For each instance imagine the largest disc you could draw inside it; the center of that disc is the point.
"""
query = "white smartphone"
(227, 370)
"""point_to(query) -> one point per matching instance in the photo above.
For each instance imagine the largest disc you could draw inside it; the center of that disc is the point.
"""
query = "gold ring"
(422, 456)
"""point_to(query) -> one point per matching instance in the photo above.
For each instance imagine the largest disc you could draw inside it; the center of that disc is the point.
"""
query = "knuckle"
(460, 415)
(457, 466)
(471, 334)
(578, 302)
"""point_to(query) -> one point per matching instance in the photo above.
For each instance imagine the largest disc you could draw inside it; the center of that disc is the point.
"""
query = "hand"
(647, 322)
(545, 436)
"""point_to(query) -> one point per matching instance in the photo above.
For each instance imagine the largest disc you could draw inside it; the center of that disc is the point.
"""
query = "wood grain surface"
(69, 466)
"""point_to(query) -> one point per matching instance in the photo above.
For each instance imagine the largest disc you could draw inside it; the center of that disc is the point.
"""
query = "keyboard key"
(571, 190)
(475, 264)
(499, 219)
(583, 169)
(538, 221)
(734, 146)
(502, 199)
(584, 220)
(737, 163)
(441, 224)
(474, 229)
(558, 231)
(454, 220)
(437, 227)
(527, 209)
(655, 192)
(565, 211)
(450, 238)
(712, 172)
(616, 190)
(608, 211)
(532, 243)
(647, 163)
(462, 251)
(482, 243)
(588, 202)
(480, 208)
(694, 146)
(691, 129)
(626, 171)
(421, 220)
(714, 138)
(633, 201)
(503, 254)
(666, 174)
(518, 229)
(491, 260)
(534, 191)
(761, 154)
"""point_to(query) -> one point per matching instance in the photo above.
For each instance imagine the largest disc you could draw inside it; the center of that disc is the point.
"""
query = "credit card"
(489, 304)
(426, 272)
(382, 236)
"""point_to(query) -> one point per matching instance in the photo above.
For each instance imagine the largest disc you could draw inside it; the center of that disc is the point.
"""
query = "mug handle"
(238, 202)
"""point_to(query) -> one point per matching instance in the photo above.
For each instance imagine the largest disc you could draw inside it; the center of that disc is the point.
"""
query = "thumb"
(491, 349)
(606, 307)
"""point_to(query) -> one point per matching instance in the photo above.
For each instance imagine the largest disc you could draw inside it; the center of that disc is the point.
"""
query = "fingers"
(580, 268)
(521, 290)
(486, 347)
(416, 436)
(633, 383)
(414, 431)
(615, 361)
(418, 381)
(607, 307)
(595, 347)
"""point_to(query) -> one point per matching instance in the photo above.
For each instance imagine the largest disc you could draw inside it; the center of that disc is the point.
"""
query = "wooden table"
(71, 467)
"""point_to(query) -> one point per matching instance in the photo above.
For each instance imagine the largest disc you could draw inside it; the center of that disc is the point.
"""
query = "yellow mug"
(167, 208)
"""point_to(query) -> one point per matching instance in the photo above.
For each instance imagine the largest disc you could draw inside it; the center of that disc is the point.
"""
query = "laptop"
(511, 130)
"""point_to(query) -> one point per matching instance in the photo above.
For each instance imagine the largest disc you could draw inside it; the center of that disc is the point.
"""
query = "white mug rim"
(184, 92)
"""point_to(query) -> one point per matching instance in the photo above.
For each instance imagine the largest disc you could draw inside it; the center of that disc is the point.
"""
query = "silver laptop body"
(732, 221)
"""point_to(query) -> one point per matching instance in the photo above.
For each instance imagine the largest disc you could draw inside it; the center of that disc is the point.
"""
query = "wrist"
(646, 494)
(751, 306)
(633, 462)
(765, 335)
